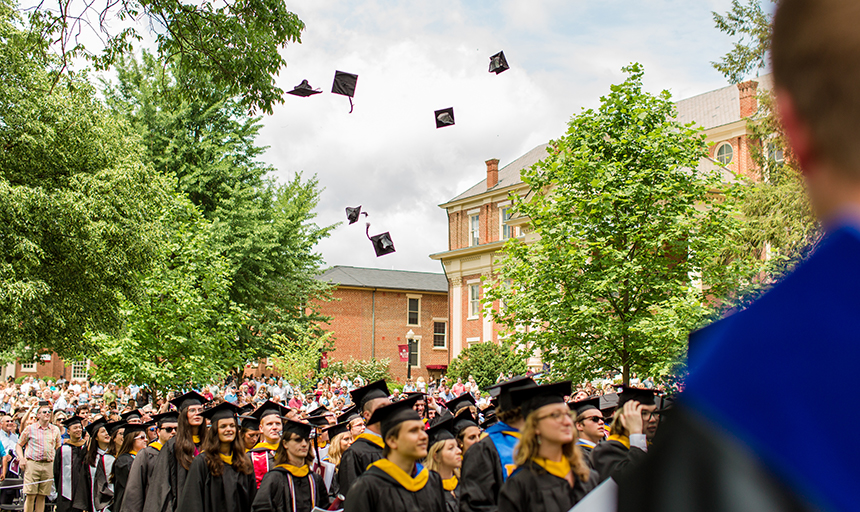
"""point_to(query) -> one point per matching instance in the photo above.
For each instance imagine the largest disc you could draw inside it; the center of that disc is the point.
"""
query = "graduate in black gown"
(68, 463)
(445, 457)
(97, 466)
(340, 441)
(590, 425)
(551, 475)
(367, 446)
(174, 459)
(291, 486)
(269, 418)
(633, 427)
(134, 440)
(398, 482)
(489, 462)
(144, 463)
(220, 478)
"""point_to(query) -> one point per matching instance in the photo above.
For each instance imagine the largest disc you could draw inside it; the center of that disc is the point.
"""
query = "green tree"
(299, 357)
(752, 25)
(484, 362)
(369, 370)
(626, 223)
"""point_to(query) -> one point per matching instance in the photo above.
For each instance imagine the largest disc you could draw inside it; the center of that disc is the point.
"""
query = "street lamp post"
(409, 342)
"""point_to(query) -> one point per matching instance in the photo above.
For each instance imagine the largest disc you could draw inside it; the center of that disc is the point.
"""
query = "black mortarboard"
(304, 89)
(362, 395)
(444, 415)
(269, 407)
(43, 403)
(95, 410)
(488, 411)
(167, 417)
(584, 405)
(462, 421)
(131, 428)
(303, 430)
(441, 431)
(643, 396)
(666, 402)
(188, 399)
(114, 426)
(608, 402)
(532, 398)
(130, 415)
(249, 423)
(338, 429)
(221, 411)
(444, 117)
(72, 420)
(464, 400)
(93, 428)
(498, 63)
(353, 213)
(503, 390)
(344, 83)
(420, 395)
(489, 421)
(319, 411)
(318, 421)
(349, 413)
(394, 414)
(382, 244)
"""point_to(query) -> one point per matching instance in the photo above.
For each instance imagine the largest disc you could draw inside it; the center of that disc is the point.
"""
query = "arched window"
(725, 153)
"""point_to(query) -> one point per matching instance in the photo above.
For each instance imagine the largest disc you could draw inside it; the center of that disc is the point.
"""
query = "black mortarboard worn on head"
(498, 63)
(503, 390)
(249, 423)
(531, 399)
(43, 403)
(302, 430)
(608, 403)
(666, 402)
(93, 428)
(167, 417)
(643, 396)
(487, 411)
(444, 117)
(444, 415)
(95, 410)
(394, 414)
(130, 415)
(304, 89)
(421, 396)
(349, 413)
(362, 395)
(353, 213)
(318, 421)
(221, 411)
(113, 427)
(463, 421)
(134, 427)
(189, 399)
(489, 421)
(464, 400)
(336, 430)
(73, 420)
(319, 411)
(269, 407)
(441, 431)
(344, 83)
(584, 405)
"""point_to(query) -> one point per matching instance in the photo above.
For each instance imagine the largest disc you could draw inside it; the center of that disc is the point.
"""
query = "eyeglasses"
(151, 429)
(143, 436)
(596, 419)
(169, 430)
(647, 415)
(557, 415)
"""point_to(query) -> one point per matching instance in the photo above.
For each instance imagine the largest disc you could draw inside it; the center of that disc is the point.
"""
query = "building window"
(725, 153)
(474, 230)
(775, 153)
(472, 341)
(79, 370)
(413, 316)
(507, 231)
(474, 301)
(440, 334)
(28, 367)
(415, 353)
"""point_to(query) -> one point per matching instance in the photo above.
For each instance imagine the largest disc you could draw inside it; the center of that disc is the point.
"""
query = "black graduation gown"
(354, 462)
(586, 455)
(611, 458)
(532, 489)
(98, 492)
(274, 494)
(168, 479)
(138, 478)
(377, 491)
(481, 478)
(75, 455)
(203, 492)
(121, 469)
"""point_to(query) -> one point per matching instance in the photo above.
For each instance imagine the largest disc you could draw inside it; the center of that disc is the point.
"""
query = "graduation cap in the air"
(533, 398)
(114, 426)
(352, 214)
(224, 410)
(463, 421)
(394, 414)
(344, 83)
(444, 117)
(462, 401)
(167, 417)
(502, 391)
(498, 63)
(349, 414)
(643, 396)
(364, 394)
(131, 415)
(336, 430)
(304, 89)
(581, 406)
(303, 430)
(249, 423)
(93, 428)
(189, 399)
(268, 408)
(441, 431)
(72, 420)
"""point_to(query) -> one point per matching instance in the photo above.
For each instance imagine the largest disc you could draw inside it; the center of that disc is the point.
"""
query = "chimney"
(749, 102)
(492, 172)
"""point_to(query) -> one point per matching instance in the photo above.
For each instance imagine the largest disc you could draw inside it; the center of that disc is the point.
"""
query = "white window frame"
(445, 334)
(418, 298)
(503, 226)
(474, 230)
(773, 150)
(417, 340)
(472, 341)
(472, 300)
(28, 367)
(75, 370)
(721, 146)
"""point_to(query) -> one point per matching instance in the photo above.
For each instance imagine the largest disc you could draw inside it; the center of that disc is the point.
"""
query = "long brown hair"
(112, 447)
(184, 444)
(527, 449)
(211, 449)
(93, 448)
(334, 451)
(281, 456)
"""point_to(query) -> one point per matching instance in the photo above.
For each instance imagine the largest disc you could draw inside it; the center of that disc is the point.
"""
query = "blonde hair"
(430, 461)
(527, 449)
(335, 452)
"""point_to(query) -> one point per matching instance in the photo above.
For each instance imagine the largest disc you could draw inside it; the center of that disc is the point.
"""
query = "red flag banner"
(404, 353)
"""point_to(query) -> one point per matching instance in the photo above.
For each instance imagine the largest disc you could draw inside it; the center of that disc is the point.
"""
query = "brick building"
(374, 310)
(48, 365)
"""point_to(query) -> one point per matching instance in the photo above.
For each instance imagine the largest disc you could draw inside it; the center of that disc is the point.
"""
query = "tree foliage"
(625, 224)
(369, 370)
(485, 361)
(752, 24)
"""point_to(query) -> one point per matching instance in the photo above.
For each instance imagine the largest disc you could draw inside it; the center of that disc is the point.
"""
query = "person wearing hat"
(397, 481)
(174, 460)
(340, 440)
(490, 461)
(117, 436)
(445, 457)
(249, 431)
(67, 463)
(353, 417)
(628, 441)
(368, 446)
(291, 486)
(270, 419)
(134, 441)
(97, 466)
(590, 426)
(221, 478)
(465, 429)
(35, 450)
(551, 475)
(144, 462)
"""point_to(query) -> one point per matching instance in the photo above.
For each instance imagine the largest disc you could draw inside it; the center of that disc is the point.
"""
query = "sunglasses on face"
(596, 419)
(169, 430)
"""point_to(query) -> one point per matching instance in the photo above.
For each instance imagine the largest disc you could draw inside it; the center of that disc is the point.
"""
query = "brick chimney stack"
(492, 172)
(749, 102)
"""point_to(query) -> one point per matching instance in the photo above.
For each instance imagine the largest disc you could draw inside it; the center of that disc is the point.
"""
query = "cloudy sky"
(416, 57)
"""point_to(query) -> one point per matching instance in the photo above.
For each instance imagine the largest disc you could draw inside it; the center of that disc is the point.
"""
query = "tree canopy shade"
(626, 227)
(485, 361)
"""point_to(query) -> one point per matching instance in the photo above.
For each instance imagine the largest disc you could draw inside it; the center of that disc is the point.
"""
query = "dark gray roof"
(509, 174)
(380, 278)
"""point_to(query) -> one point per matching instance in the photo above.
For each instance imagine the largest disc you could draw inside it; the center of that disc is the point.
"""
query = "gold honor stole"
(621, 439)
(156, 445)
(450, 484)
(560, 469)
(409, 483)
(268, 446)
(227, 459)
(372, 438)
